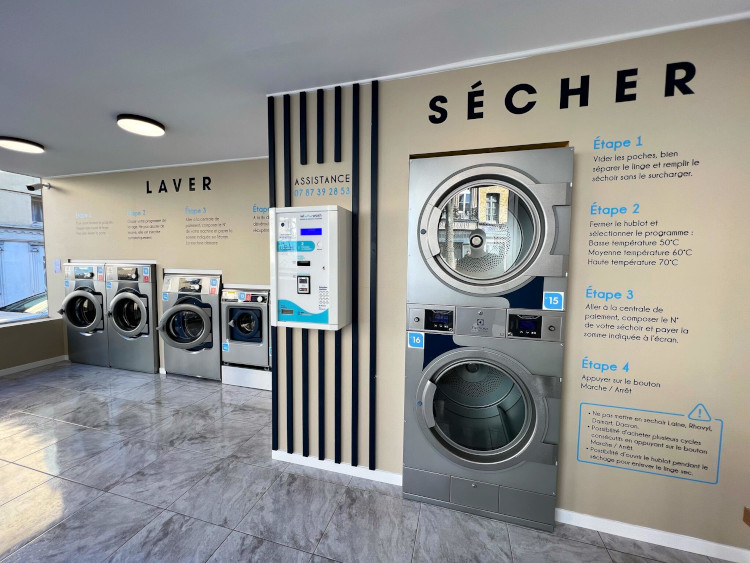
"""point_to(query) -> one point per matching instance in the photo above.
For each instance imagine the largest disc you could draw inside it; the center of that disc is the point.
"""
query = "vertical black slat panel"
(337, 397)
(355, 275)
(373, 267)
(288, 333)
(321, 124)
(303, 128)
(337, 125)
(305, 394)
(321, 394)
(289, 395)
(272, 203)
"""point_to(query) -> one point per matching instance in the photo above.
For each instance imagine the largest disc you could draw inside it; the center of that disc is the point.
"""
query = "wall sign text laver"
(175, 184)
(518, 99)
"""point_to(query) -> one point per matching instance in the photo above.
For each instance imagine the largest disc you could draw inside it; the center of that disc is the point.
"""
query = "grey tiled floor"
(107, 465)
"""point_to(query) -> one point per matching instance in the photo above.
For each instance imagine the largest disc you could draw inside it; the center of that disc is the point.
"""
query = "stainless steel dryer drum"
(189, 325)
(488, 246)
(84, 311)
(131, 299)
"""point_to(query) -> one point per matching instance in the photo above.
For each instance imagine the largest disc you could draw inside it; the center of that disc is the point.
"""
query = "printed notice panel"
(682, 446)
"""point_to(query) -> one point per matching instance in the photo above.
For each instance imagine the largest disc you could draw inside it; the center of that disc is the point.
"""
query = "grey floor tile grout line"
(333, 513)
(416, 534)
(111, 555)
(510, 544)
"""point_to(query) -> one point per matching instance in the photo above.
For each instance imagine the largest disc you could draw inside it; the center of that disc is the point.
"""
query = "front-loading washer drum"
(128, 314)
(186, 326)
(82, 310)
(483, 409)
(489, 229)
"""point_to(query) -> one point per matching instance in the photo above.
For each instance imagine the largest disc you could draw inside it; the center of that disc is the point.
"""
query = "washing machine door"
(483, 409)
(185, 326)
(245, 324)
(82, 310)
(128, 312)
(489, 229)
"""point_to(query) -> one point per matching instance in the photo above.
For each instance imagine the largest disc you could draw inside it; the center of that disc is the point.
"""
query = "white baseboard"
(345, 468)
(651, 535)
(32, 365)
(246, 377)
(162, 371)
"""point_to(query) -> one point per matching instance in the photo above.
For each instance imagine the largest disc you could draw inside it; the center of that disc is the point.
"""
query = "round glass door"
(185, 327)
(128, 314)
(82, 311)
(246, 325)
(478, 407)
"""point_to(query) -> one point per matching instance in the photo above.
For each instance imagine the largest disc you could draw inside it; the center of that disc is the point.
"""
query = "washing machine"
(130, 297)
(245, 350)
(84, 311)
(189, 324)
(487, 276)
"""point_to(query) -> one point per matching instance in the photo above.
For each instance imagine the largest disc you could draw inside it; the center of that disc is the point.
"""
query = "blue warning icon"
(700, 413)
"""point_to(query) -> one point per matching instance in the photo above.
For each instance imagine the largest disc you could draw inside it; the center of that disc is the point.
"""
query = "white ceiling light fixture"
(21, 145)
(140, 125)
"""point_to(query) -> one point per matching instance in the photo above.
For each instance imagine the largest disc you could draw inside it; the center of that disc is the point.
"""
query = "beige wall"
(99, 217)
(30, 342)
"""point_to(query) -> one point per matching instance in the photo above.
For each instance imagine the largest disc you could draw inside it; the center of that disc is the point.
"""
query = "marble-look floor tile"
(35, 438)
(173, 537)
(33, 513)
(92, 534)
(294, 511)
(134, 418)
(532, 546)
(183, 396)
(576, 533)
(16, 480)
(119, 462)
(650, 550)
(236, 395)
(321, 559)
(62, 455)
(44, 401)
(226, 494)
(257, 451)
(264, 394)
(618, 557)
(149, 392)
(321, 474)
(167, 478)
(369, 523)
(176, 429)
(94, 409)
(376, 486)
(253, 415)
(449, 535)
(259, 401)
(241, 547)
(15, 422)
(717, 560)
(219, 438)
(210, 409)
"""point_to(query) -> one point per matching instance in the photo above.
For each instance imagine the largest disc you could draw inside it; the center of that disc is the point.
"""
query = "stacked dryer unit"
(131, 309)
(189, 324)
(84, 310)
(487, 275)
(245, 348)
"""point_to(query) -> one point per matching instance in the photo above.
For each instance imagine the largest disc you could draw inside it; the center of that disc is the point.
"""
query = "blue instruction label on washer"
(225, 347)
(416, 340)
(553, 301)
(164, 296)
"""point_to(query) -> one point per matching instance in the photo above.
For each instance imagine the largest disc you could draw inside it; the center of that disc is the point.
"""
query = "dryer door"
(185, 326)
(245, 324)
(488, 229)
(128, 312)
(82, 311)
(483, 409)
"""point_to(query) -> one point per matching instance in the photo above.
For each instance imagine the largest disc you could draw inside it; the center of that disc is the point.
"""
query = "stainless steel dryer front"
(84, 311)
(189, 325)
(131, 298)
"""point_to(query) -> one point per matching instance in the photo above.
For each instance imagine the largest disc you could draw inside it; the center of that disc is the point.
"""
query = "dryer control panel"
(310, 273)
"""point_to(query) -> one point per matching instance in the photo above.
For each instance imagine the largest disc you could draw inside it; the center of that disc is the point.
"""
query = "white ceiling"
(204, 67)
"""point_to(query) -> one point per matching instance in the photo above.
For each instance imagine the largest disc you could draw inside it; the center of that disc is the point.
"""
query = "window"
(493, 208)
(23, 280)
(464, 203)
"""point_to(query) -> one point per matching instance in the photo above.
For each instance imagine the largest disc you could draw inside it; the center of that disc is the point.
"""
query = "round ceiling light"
(21, 145)
(140, 125)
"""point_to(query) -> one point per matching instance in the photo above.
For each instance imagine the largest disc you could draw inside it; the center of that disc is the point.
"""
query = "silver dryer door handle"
(428, 396)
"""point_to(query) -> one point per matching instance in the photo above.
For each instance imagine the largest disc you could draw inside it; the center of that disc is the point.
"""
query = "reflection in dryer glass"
(185, 327)
(484, 231)
(478, 407)
(81, 311)
(127, 314)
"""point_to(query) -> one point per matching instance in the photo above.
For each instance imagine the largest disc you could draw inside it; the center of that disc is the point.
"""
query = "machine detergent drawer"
(527, 505)
(475, 494)
(427, 484)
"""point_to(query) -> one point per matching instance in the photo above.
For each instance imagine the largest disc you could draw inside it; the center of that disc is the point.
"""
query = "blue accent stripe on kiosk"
(289, 311)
